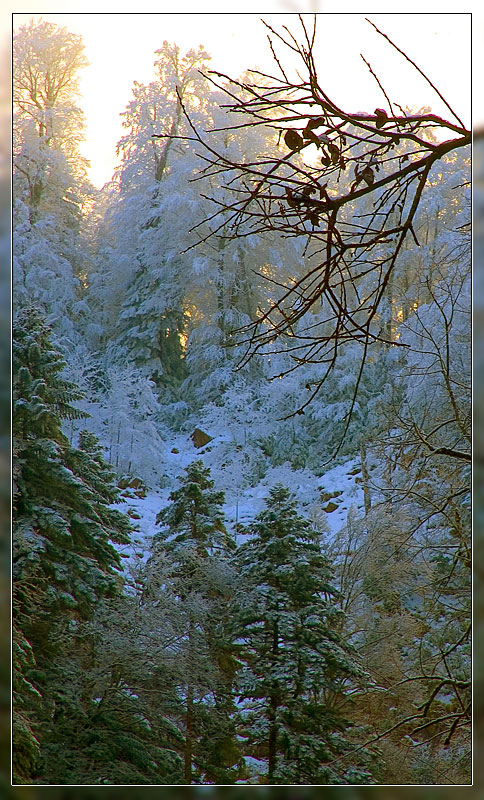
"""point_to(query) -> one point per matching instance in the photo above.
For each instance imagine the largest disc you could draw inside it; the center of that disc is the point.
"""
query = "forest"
(241, 430)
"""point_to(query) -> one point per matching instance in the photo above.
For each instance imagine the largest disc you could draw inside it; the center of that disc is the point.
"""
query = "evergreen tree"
(169, 298)
(189, 566)
(298, 666)
(123, 731)
(152, 213)
(63, 535)
(151, 334)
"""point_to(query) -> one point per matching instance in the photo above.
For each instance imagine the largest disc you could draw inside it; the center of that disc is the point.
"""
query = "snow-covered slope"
(324, 500)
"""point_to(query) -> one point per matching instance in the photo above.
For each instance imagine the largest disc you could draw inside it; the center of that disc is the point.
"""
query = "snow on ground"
(343, 482)
(142, 512)
(325, 500)
(255, 767)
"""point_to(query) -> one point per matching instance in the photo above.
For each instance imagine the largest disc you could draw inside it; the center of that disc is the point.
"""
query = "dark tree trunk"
(273, 705)
(189, 737)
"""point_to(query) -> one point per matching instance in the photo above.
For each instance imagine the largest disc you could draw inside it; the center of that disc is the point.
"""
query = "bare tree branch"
(306, 191)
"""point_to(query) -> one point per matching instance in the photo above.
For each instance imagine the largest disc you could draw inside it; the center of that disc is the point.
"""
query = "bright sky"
(120, 48)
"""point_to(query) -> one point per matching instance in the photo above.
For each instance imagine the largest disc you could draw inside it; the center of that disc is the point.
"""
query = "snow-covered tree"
(44, 277)
(143, 278)
(189, 566)
(124, 730)
(176, 305)
(298, 666)
(406, 563)
(49, 172)
(427, 478)
(50, 187)
(64, 528)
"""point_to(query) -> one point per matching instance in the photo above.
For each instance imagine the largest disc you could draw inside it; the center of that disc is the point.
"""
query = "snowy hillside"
(325, 500)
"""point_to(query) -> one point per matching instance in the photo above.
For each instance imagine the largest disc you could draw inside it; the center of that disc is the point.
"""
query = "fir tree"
(63, 534)
(153, 332)
(189, 565)
(122, 731)
(297, 663)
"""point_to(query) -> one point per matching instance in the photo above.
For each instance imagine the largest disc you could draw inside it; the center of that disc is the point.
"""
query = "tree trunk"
(272, 738)
(189, 736)
(273, 705)
(220, 286)
(162, 163)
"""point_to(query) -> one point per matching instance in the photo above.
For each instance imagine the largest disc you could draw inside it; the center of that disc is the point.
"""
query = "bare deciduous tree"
(350, 184)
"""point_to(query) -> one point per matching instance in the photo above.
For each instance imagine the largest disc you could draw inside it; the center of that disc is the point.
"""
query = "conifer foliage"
(297, 664)
(190, 568)
(63, 554)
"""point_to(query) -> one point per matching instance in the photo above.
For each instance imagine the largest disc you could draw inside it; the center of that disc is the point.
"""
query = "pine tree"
(189, 566)
(297, 663)
(124, 729)
(63, 535)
